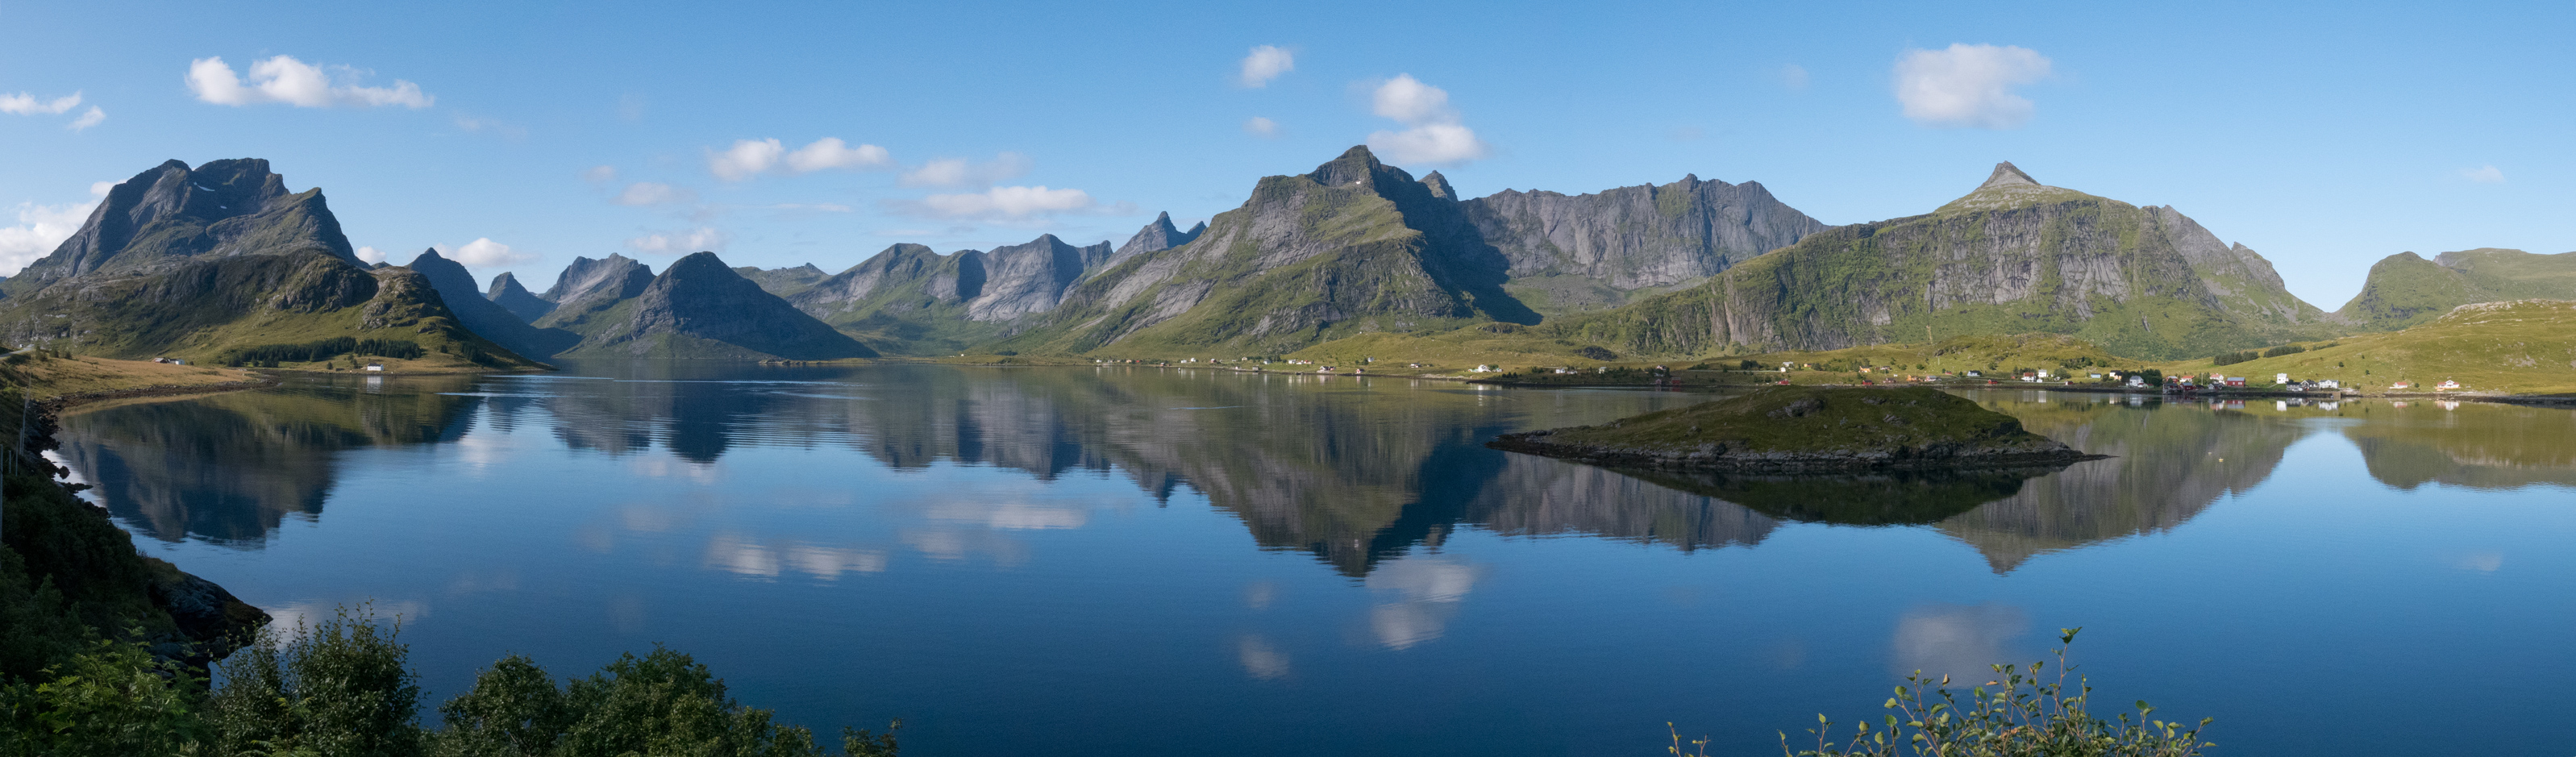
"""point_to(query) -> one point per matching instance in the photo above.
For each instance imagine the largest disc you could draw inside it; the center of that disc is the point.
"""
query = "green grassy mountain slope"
(700, 309)
(784, 282)
(2012, 257)
(1353, 246)
(2406, 290)
(207, 262)
(2513, 347)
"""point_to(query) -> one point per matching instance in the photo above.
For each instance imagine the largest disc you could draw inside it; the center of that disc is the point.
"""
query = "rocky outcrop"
(484, 317)
(507, 293)
(2012, 257)
(700, 309)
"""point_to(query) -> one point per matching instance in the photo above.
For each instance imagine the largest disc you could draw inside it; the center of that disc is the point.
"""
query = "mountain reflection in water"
(1354, 471)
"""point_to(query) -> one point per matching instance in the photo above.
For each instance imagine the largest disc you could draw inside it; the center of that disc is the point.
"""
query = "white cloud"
(831, 152)
(40, 229)
(283, 79)
(700, 239)
(1265, 63)
(100, 188)
(651, 193)
(1968, 85)
(371, 255)
(600, 174)
(745, 159)
(1261, 127)
(957, 172)
(1436, 135)
(27, 105)
(92, 118)
(751, 157)
(485, 253)
(1427, 590)
(1006, 202)
(1793, 76)
(2483, 175)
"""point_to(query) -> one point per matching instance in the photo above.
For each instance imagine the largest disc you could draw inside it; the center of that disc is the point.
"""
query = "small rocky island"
(1807, 429)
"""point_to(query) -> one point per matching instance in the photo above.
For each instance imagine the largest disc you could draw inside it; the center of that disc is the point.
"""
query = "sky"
(516, 136)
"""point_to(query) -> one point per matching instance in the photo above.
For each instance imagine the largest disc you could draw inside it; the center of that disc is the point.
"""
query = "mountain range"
(208, 261)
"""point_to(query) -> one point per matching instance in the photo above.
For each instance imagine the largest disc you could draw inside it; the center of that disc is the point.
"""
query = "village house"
(2447, 385)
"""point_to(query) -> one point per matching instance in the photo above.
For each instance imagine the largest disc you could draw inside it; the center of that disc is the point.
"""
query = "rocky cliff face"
(700, 309)
(1023, 279)
(1355, 245)
(1633, 237)
(2406, 290)
(484, 317)
(507, 293)
(2013, 257)
(190, 262)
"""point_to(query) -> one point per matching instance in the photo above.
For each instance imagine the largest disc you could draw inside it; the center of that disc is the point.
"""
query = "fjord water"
(1136, 561)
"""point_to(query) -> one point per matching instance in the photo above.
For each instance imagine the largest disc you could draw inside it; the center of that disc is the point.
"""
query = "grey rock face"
(1031, 278)
(170, 214)
(1635, 237)
(507, 293)
(699, 308)
(588, 286)
(488, 319)
(909, 268)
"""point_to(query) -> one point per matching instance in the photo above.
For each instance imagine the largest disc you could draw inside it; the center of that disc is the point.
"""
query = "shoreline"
(68, 401)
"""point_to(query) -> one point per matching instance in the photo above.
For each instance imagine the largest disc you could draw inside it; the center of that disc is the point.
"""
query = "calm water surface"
(1194, 562)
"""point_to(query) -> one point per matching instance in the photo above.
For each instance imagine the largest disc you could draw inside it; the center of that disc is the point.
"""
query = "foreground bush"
(342, 687)
(2024, 714)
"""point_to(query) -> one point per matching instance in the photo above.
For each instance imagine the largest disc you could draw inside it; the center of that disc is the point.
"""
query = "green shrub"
(2233, 358)
(2025, 714)
(269, 355)
(2286, 349)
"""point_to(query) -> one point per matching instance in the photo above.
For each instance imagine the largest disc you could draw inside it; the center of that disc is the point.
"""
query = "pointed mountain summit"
(2014, 256)
(1353, 246)
(700, 309)
(215, 261)
(2009, 187)
(2007, 175)
(507, 293)
(482, 316)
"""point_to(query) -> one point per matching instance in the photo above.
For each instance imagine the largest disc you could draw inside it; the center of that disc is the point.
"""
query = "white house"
(375, 367)
(2447, 384)
(1485, 369)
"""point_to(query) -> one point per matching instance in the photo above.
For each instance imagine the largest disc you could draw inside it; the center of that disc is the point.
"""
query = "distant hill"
(456, 288)
(507, 293)
(203, 262)
(2014, 256)
(2406, 290)
(588, 288)
(783, 281)
(700, 309)
(923, 303)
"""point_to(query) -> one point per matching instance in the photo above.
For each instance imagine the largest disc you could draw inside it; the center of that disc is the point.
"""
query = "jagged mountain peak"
(172, 213)
(1356, 166)
(2008, 175)
(700, 308)
(1156, 236)
(1439, 186)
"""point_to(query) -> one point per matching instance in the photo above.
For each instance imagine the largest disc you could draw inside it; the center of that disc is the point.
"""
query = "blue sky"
(2324, 137)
